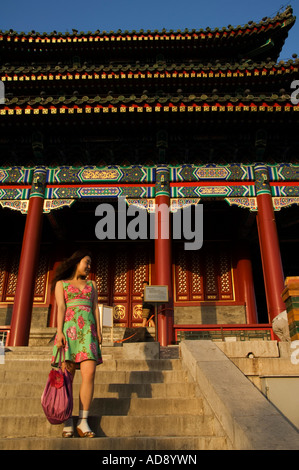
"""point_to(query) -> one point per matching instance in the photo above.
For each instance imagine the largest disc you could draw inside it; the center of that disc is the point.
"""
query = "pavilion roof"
(255, 38)
(155, 103)
(159, 69)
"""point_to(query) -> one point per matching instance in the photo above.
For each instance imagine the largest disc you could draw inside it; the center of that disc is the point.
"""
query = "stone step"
(110, 406)
(105, 376)
(115, 426)
(45, 352)
(44, 364)
(43, 336)
(119, 443)
(114, 349)
(113, 390)
(28, 351)
(142, 404)
(117, 350)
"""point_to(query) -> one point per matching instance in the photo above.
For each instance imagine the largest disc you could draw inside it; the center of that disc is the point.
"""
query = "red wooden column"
(246, 284)
(163, 260)
(22, 310)
(59, 254)
(269, 244)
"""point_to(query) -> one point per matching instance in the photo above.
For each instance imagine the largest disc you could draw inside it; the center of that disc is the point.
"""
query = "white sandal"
(68, 430)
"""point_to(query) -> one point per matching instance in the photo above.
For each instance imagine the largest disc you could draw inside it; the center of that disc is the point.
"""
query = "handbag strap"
(61, 352)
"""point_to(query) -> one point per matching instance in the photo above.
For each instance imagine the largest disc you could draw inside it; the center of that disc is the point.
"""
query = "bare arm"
(96, 312)
(60, 338)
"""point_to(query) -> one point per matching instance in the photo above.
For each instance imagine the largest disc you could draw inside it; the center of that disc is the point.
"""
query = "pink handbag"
(57, 398)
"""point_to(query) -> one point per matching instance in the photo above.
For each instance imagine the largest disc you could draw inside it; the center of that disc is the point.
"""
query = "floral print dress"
(79, 326)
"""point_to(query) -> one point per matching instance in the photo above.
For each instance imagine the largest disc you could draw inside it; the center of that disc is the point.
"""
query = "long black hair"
(67, 268)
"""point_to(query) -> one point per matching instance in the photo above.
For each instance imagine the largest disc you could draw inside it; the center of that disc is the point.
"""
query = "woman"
(78, 331)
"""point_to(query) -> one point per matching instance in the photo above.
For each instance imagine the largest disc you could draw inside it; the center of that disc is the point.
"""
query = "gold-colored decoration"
(106, 174)
(137, 312)
(119, 312)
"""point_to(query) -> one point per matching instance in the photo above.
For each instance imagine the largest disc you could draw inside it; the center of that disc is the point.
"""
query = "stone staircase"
(139, 404)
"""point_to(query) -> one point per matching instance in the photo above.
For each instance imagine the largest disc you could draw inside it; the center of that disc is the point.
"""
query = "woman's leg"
(68, 430)
(88, 369)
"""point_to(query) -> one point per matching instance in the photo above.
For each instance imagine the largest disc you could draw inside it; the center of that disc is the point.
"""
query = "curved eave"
(283, 22)
(161, 106)
(41, 74)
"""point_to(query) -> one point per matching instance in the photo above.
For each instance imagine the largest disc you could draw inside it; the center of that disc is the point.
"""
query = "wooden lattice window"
(203, 275)
(9, 267)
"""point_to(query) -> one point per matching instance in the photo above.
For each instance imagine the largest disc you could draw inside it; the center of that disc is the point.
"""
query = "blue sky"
(111, 15)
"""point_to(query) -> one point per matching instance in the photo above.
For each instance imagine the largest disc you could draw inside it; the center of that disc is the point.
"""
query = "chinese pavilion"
(181, 118)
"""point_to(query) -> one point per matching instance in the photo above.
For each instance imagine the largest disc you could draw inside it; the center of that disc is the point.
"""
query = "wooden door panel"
(181, 276)
(101, 275)
(9, 268)
(203, 275)
(197, 279)
(119, 274)
(140, 272)
(121, 288)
